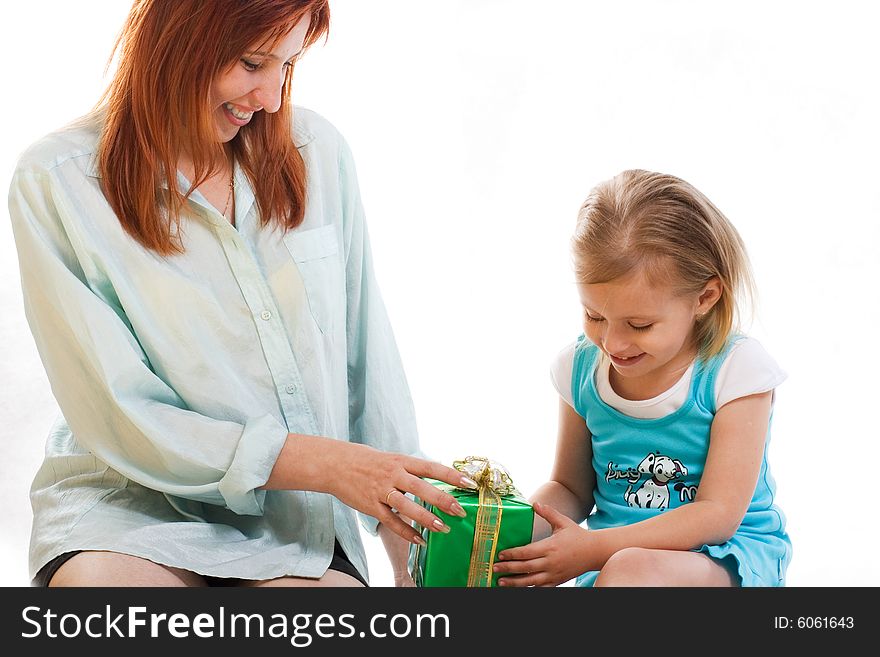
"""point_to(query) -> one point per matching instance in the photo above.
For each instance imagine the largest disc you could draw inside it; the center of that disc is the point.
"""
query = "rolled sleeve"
(258, 449)
(115, 404)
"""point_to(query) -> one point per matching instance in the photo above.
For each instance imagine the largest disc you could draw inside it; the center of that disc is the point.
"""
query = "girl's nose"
(614, 340)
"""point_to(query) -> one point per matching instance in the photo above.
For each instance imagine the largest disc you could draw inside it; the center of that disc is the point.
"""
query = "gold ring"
(388, 497)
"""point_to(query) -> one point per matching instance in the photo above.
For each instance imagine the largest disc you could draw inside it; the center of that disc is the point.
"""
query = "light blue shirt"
(180, 377)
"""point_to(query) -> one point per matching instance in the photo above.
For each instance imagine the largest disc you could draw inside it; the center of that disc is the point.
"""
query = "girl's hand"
(548, 562)
(403, 580)
(398, 554)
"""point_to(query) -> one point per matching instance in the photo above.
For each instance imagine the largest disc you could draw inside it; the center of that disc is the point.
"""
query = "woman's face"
(254, 82)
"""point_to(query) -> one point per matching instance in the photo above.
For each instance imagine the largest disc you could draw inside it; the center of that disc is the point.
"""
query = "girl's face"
(254, 82)
(646, 330)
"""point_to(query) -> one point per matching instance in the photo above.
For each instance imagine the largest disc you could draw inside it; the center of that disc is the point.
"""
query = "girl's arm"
(398, 554)
(736, 450)
(570, 488)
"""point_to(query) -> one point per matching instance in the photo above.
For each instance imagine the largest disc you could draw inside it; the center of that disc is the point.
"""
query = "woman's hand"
(369, 480)
(377, 483)
(548, 562)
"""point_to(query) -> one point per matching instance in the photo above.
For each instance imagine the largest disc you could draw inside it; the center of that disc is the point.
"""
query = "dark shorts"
(339, 562)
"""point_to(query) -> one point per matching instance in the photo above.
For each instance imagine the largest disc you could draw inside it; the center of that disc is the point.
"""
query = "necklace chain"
(231, 193)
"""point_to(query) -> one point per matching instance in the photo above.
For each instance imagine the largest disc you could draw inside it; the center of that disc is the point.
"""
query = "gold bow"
(493, 481)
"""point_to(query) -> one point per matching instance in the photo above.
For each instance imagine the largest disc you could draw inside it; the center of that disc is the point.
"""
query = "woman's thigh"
(330, 578)
(93, 568)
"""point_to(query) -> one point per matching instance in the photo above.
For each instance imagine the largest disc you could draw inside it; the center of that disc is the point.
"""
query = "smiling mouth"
(626, 361)
(237, 113)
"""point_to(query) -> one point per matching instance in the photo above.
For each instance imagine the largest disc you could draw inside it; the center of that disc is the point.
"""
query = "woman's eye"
(645, 327)
(250, 66)
(590, 318)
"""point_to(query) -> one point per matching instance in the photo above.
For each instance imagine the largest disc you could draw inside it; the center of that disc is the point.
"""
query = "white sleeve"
(748, 370)
(560, 373)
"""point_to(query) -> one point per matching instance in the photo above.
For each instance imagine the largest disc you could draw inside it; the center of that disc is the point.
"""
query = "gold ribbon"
(494, 482)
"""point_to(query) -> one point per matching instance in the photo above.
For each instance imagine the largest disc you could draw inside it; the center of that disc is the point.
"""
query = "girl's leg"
(645, 567)
(92, 568)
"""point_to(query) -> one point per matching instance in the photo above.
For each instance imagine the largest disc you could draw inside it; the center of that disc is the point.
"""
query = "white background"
(478, 127)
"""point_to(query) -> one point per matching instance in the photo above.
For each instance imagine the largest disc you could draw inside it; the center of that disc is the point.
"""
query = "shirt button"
(290, 388)
(266, 315)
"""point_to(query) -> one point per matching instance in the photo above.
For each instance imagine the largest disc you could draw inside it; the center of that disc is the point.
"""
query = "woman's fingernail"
(418, 540)
(500, 556)
(441, 526)
(458, 510)
(467, 482)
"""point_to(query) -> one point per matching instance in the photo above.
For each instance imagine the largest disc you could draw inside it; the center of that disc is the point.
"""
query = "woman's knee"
(95, 568)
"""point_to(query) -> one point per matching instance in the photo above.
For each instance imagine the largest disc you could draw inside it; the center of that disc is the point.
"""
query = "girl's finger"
(556, 519)
(530, 551)
(532, 579)
(523, 566)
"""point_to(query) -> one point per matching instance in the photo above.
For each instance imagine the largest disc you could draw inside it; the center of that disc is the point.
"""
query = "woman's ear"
(709, 296)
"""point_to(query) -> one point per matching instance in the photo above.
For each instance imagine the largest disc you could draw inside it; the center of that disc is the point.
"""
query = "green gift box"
(450, 559)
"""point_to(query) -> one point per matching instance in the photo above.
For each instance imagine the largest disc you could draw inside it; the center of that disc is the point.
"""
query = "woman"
(229, 383)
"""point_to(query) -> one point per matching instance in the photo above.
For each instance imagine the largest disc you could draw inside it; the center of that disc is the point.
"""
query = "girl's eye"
(641, 328)
(249, 66)
(591, 318)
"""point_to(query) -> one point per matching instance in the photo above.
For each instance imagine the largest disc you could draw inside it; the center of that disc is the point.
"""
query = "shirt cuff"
(258, 449)
(369, 523)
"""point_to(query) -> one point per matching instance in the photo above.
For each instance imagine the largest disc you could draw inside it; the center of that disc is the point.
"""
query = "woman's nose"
(268, 94)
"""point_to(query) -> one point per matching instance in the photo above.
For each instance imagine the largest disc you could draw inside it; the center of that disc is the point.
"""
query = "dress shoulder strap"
(584, 365)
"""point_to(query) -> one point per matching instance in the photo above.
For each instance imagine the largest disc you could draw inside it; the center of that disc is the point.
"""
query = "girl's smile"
(629, 361)
(645, 329)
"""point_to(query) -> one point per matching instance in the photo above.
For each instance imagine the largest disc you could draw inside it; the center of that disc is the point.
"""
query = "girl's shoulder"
(747, 369)
(563, 365)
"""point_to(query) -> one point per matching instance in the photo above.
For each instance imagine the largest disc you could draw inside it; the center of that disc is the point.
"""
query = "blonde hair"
(665, 227)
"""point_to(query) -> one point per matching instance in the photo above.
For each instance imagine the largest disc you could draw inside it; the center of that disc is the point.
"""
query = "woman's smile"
(236, 115)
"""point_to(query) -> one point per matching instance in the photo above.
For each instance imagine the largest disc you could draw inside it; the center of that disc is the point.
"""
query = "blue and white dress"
(647, 465)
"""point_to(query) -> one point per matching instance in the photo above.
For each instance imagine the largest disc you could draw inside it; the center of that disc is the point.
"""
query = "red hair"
(157, 106)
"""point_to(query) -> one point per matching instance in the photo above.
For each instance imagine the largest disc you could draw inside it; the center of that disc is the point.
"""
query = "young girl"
(664, 412)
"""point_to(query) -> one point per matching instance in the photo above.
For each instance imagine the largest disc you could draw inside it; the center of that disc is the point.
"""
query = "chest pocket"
(316, 254)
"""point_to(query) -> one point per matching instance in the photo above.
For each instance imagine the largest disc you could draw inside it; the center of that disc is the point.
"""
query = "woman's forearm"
(306, 463)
